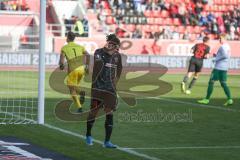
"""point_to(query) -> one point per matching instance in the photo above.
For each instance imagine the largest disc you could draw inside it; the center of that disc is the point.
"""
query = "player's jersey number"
(74, 51)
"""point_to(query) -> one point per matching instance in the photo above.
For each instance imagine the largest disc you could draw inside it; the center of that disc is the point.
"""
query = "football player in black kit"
(200, 52)
(106, 73)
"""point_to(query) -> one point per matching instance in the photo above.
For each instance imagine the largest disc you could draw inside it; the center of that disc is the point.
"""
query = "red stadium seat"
(181, 29)
(148, 13)
(168, 21)
(225, 2)
(140, 27)
(176, 22)
(164, 14)
(233, 2)
(146, 28)
(207, 8)
(158, 21)
(150, 20)
(197, 29)
(190, 29)
(231, 7)
(154, 28)
(156, 13)
(130, 27)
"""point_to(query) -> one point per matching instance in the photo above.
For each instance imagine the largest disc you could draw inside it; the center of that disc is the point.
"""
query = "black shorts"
(101, 98)
(195, 65)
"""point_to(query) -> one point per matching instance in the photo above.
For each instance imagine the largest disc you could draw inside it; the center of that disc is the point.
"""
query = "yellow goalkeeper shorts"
(76, 76)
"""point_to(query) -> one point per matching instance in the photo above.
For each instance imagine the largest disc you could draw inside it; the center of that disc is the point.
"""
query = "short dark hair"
(205, 39)
(113, 38)
(71, 36)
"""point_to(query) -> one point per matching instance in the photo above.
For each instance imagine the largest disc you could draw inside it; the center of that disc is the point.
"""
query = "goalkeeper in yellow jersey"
(77, 60)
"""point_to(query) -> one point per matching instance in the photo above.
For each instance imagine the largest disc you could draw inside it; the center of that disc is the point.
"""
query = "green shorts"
(218, 75)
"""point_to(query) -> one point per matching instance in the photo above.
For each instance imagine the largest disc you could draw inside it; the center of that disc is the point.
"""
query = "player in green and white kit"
(219, 72)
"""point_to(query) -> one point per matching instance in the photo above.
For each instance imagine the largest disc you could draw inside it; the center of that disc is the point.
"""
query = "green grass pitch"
(209, 132)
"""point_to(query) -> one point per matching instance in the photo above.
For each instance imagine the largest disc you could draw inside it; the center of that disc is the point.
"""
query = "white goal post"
(41, 78)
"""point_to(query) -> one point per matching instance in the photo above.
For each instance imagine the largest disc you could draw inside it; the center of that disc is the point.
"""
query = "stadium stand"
(169, 19)
(137, 19)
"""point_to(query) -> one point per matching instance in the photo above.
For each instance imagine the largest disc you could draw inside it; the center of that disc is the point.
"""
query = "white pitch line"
(193, 147)
(129, 151)
(197, 104)
(96, 141)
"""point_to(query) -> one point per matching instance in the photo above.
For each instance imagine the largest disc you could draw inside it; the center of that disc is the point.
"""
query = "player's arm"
(62, 59)
(119, 68)
(193, 49)
(87, 61)
(207, 53)
(97, 66)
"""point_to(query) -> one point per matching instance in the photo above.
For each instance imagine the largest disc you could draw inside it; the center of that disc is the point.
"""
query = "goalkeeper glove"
(86, 69)
(61, 66)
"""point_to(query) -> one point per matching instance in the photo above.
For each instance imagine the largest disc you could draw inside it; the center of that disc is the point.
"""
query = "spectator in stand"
(78, 28)
(144, 50)
(148, 35)
(161, 4)
(68, 23)
(232, 33)
(137, 34)
(118, 16)
(210, 17)
(220, 21)
(95, 5)
(215, 27)
(165, 34)
(203, 21)
(130, 12)
(182, 14)
(85, 26)
(2, 6)
(189, 13)
(186, 35)
(126, 20)
(226, 20)
(193, 19)
(156, 35)
(14, 5)
(208, 29)
(148, 6)
(200, 36)
(175, 34)
(129, 5)
(205, 2)
(238, 18)
(198, 8)
(173, 10)
(137, 5)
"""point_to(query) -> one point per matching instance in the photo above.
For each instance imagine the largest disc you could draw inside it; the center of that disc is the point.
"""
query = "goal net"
(19, 49)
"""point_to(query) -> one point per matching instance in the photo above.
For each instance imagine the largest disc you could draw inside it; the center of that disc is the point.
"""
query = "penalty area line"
(129, 151)
(126, 150)
(192, 147)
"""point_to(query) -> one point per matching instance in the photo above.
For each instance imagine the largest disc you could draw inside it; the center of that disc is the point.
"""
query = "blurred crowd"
(13, 5)
(78, 25)
(191, 13)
